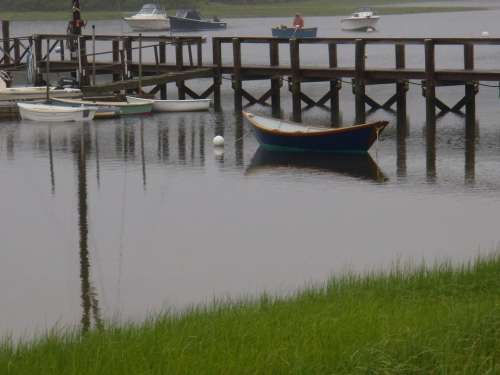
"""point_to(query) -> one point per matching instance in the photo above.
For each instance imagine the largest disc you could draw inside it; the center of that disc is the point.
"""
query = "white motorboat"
(55, 113)
(362, 19)
(149, 18)
(184, 105)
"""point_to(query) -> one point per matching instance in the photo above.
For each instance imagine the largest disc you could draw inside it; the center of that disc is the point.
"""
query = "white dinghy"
(184, 105)
(55, 113)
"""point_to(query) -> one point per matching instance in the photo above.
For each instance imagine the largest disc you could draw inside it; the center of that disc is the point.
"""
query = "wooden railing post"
(274, 56)
(335, 86)
(179, 62)
(217, 62)
(163, 59)
(237, 85)
(430, 84)
(359, 80)
(295, 86)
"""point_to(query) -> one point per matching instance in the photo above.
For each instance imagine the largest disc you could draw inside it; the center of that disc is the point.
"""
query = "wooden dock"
(123, 62)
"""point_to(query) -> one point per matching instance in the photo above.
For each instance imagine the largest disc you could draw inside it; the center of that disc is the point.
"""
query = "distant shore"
(307, 8)
(421, 319)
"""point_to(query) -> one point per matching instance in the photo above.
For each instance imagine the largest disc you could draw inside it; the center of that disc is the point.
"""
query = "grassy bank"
(426, 320)
(307, 8)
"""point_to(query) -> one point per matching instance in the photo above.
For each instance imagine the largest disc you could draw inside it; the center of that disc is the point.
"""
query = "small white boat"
(149, 18)
(55, 113)
(362, 19)
(185, 105)
(37, 92)
(125, 108)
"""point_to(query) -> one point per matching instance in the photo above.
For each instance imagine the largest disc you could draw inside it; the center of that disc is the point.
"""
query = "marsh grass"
(439, 319)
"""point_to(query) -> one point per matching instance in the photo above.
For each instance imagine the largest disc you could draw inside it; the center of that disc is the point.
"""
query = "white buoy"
(485, 33)
(218, 141)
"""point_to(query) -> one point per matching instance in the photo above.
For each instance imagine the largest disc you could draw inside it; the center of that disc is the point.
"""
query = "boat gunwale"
(378, 125)
(172, 100)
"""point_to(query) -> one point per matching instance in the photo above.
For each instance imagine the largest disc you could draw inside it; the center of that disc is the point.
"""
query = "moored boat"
(190, 20)
(292, 32)
(149, 18)
(184, 105)
(37, 93)
(362, 19)
(125, 108)
(276, 134)
(55, 113)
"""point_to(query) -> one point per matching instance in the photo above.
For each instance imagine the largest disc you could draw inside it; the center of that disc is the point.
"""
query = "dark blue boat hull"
(187, 24)
(291, 32)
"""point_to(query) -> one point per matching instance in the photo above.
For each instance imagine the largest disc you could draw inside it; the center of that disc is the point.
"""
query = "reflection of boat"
(149, 18)
(283, 135)
(190, 20)
(125, 108)
(184, 105)
(362, 19)
(354, 165)
(55, 113)
(292, 32)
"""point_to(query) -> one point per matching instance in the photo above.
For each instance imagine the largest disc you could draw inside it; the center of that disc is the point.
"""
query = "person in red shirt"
(298, 21)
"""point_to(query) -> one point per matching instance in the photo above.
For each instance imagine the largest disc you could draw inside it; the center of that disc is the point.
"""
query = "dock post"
(359, 82)
(401, 85)
(237, 85)
(334, 86)
(470, 92)
(163, 59)
(179, 62)
(61, 47)
(295, 66)
(38, 58)
(199, 53)
(430, 84)
(128, 52)
(116, 58)
(6, 41)
(83, 59)
(217, 62)
(274, 55)
(93, 55)
(17, 52)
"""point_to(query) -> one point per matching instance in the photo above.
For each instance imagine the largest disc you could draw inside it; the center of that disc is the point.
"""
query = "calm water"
(121, 218)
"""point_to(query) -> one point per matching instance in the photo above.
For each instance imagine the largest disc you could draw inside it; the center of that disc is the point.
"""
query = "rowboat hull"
(186, 105)
(276, 134)
(188, 24)
(52, 113)
(125, 108)
(291, 32)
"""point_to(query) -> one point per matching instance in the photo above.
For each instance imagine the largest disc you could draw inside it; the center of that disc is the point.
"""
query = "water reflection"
(354, 165)
(402, 133)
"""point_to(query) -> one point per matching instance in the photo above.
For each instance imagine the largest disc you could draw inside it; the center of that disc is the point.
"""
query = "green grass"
(306, 7)
(425, 320)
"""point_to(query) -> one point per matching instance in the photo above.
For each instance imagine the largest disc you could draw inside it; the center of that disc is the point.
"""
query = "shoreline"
(442, 318)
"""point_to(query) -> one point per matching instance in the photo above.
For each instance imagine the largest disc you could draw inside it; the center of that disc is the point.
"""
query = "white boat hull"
(359, 23)
(148, 24)
(187, 105)
(37, 92)
(52, 113)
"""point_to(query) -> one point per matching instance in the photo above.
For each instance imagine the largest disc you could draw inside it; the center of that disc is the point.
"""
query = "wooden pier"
(123, 61)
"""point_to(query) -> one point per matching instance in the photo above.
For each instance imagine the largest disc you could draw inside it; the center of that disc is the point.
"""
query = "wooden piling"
(163, 59)
(38, 58)
(61, 50)
(237, 85)
(401, 85)
(274, 57)
(359, 80)
(128, 54)
(335, 86)
(17, 52)
(6, 41)
(179, 62)
(470, 92)
(295, 87)
(199, 53)
(430, 84)
(217, 62)
(115, 47)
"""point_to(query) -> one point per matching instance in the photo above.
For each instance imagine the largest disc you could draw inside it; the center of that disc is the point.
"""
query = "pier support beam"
(6, 41)
(116, 57)
(401, 86)
(217, 61)
(430, 84)
(237, 85)
(470, 92)
(179, 62)
(335, 86)
(295, 87)
(359, 80)
(275, 81)
(162, 51)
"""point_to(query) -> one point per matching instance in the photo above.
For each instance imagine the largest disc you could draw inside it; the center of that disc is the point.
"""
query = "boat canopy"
(150, 9)
(188, 13)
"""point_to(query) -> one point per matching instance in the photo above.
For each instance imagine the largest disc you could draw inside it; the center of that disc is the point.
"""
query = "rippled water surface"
(121, 218)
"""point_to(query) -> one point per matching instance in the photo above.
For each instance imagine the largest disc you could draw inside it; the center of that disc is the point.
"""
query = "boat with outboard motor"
(190, 20)
(150, 18)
